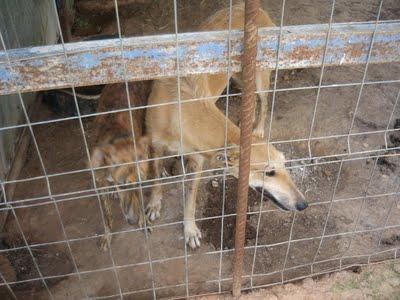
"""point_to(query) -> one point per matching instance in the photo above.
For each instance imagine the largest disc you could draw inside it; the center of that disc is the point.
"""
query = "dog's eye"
(270, 173)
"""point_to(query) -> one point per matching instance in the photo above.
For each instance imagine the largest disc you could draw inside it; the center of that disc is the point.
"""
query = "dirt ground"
(370, 282)
(62, 147)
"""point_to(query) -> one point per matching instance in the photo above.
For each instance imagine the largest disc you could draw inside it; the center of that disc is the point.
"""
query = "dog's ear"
(230, 156)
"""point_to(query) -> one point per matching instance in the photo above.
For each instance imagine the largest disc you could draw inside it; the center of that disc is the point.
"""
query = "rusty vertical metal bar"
(246, 119)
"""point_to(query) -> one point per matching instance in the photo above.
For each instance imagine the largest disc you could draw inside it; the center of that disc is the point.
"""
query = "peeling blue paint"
(238, 48)
(182, 51)
(387, 38)
(336, 42)
(5, 75)
(108, 54)
(36, 63)
(271, 43)
(88, 60)
(211, 50)
(291, 44)
(154, 53)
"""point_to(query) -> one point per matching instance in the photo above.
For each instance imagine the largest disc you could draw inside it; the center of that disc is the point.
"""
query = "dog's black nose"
(301, 205)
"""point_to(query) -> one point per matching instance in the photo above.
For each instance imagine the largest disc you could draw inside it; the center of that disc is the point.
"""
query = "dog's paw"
(259, 131)
(144, 220)
(153, 210)
(192, 234)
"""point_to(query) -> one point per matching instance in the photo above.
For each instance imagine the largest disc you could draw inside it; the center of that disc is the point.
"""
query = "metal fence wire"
(331, 107)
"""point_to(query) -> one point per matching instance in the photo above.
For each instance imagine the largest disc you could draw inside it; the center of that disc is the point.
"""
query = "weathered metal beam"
(99, 62)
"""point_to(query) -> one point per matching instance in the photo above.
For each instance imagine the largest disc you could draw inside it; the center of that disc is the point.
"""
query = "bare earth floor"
(370, 282)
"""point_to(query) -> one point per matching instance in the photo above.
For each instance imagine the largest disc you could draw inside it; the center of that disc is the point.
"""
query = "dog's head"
(121, 153)
(273, 179)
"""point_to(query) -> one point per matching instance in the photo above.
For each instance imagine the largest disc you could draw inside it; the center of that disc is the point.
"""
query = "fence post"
(246, 127)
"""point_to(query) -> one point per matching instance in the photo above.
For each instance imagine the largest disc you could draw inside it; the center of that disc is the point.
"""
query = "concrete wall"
(23, 23)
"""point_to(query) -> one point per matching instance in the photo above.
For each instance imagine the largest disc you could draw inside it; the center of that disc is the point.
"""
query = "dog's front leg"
(105, 240)
(192, 232)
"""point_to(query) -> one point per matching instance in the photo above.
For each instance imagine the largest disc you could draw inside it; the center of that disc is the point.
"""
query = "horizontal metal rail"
(149, 57)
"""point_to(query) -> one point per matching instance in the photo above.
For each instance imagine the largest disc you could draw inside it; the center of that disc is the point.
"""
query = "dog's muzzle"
(300, 205)
(268, 196)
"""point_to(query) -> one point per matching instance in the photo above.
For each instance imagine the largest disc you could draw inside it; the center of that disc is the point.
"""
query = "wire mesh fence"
(82, 218)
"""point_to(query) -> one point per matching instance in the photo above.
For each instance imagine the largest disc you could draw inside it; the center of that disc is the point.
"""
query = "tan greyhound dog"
(203, 128)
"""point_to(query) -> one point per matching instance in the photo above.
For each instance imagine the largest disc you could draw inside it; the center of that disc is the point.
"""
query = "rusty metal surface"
(246, 126)
(98, 62)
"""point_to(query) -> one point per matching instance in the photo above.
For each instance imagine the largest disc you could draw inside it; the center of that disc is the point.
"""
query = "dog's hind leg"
(262, 84)
(153, 208)
(192, 232)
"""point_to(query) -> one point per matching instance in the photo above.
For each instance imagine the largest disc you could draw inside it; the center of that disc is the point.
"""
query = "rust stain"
(356, 50)
(302, 53)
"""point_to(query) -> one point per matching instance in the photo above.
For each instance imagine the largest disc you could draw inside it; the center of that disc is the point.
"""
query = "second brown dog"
(117, 151)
